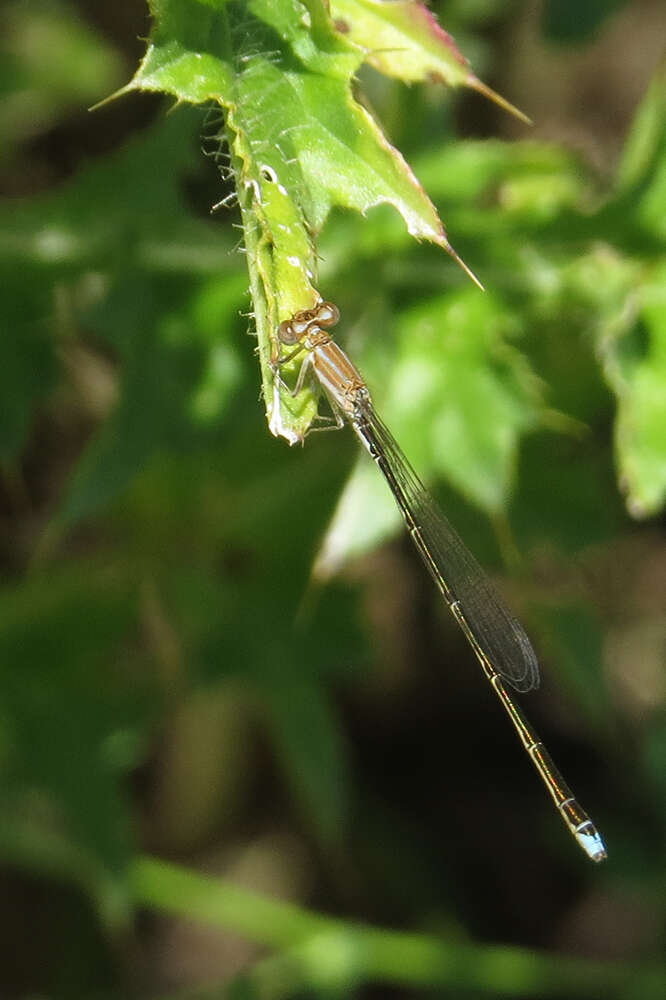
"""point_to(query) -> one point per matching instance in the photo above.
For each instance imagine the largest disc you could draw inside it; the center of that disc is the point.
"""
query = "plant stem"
(327, 952)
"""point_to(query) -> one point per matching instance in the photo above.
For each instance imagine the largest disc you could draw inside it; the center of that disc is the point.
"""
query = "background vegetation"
(178, 683)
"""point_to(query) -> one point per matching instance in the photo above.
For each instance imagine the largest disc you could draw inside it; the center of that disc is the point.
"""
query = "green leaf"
(472, 169)
(308, 29)
(568, 21)
(27, 359)
(286, 668)
(232, 621)
(188, 52)
(641, 179)
(404, 40)
(299, 145)
(170, 382)
(568, 500)
(454, 363)
(634, 352)
(654, 762)
(308, 738)
(573, 637)
(365, 516)
(134, 257)
(150, 227)
(68, 706)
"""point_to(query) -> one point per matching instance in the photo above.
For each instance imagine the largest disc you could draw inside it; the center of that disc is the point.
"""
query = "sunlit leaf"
(403, 39)
(299, 145)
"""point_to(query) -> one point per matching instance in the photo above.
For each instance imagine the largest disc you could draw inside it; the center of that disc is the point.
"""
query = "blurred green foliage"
(568, 21)
(158, 542)
(52, 63)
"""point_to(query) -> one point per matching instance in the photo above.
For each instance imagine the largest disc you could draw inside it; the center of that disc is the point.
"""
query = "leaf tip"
(461, 263)
(112, 97)
(482, 88)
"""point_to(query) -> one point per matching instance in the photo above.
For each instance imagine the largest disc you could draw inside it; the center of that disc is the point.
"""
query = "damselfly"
(499, 641)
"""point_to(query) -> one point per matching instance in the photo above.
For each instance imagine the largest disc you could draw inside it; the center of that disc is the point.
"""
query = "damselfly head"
(321, 316)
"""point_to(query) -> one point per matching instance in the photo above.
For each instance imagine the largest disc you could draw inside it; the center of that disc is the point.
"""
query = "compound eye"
(328, 314)
(286, 332)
